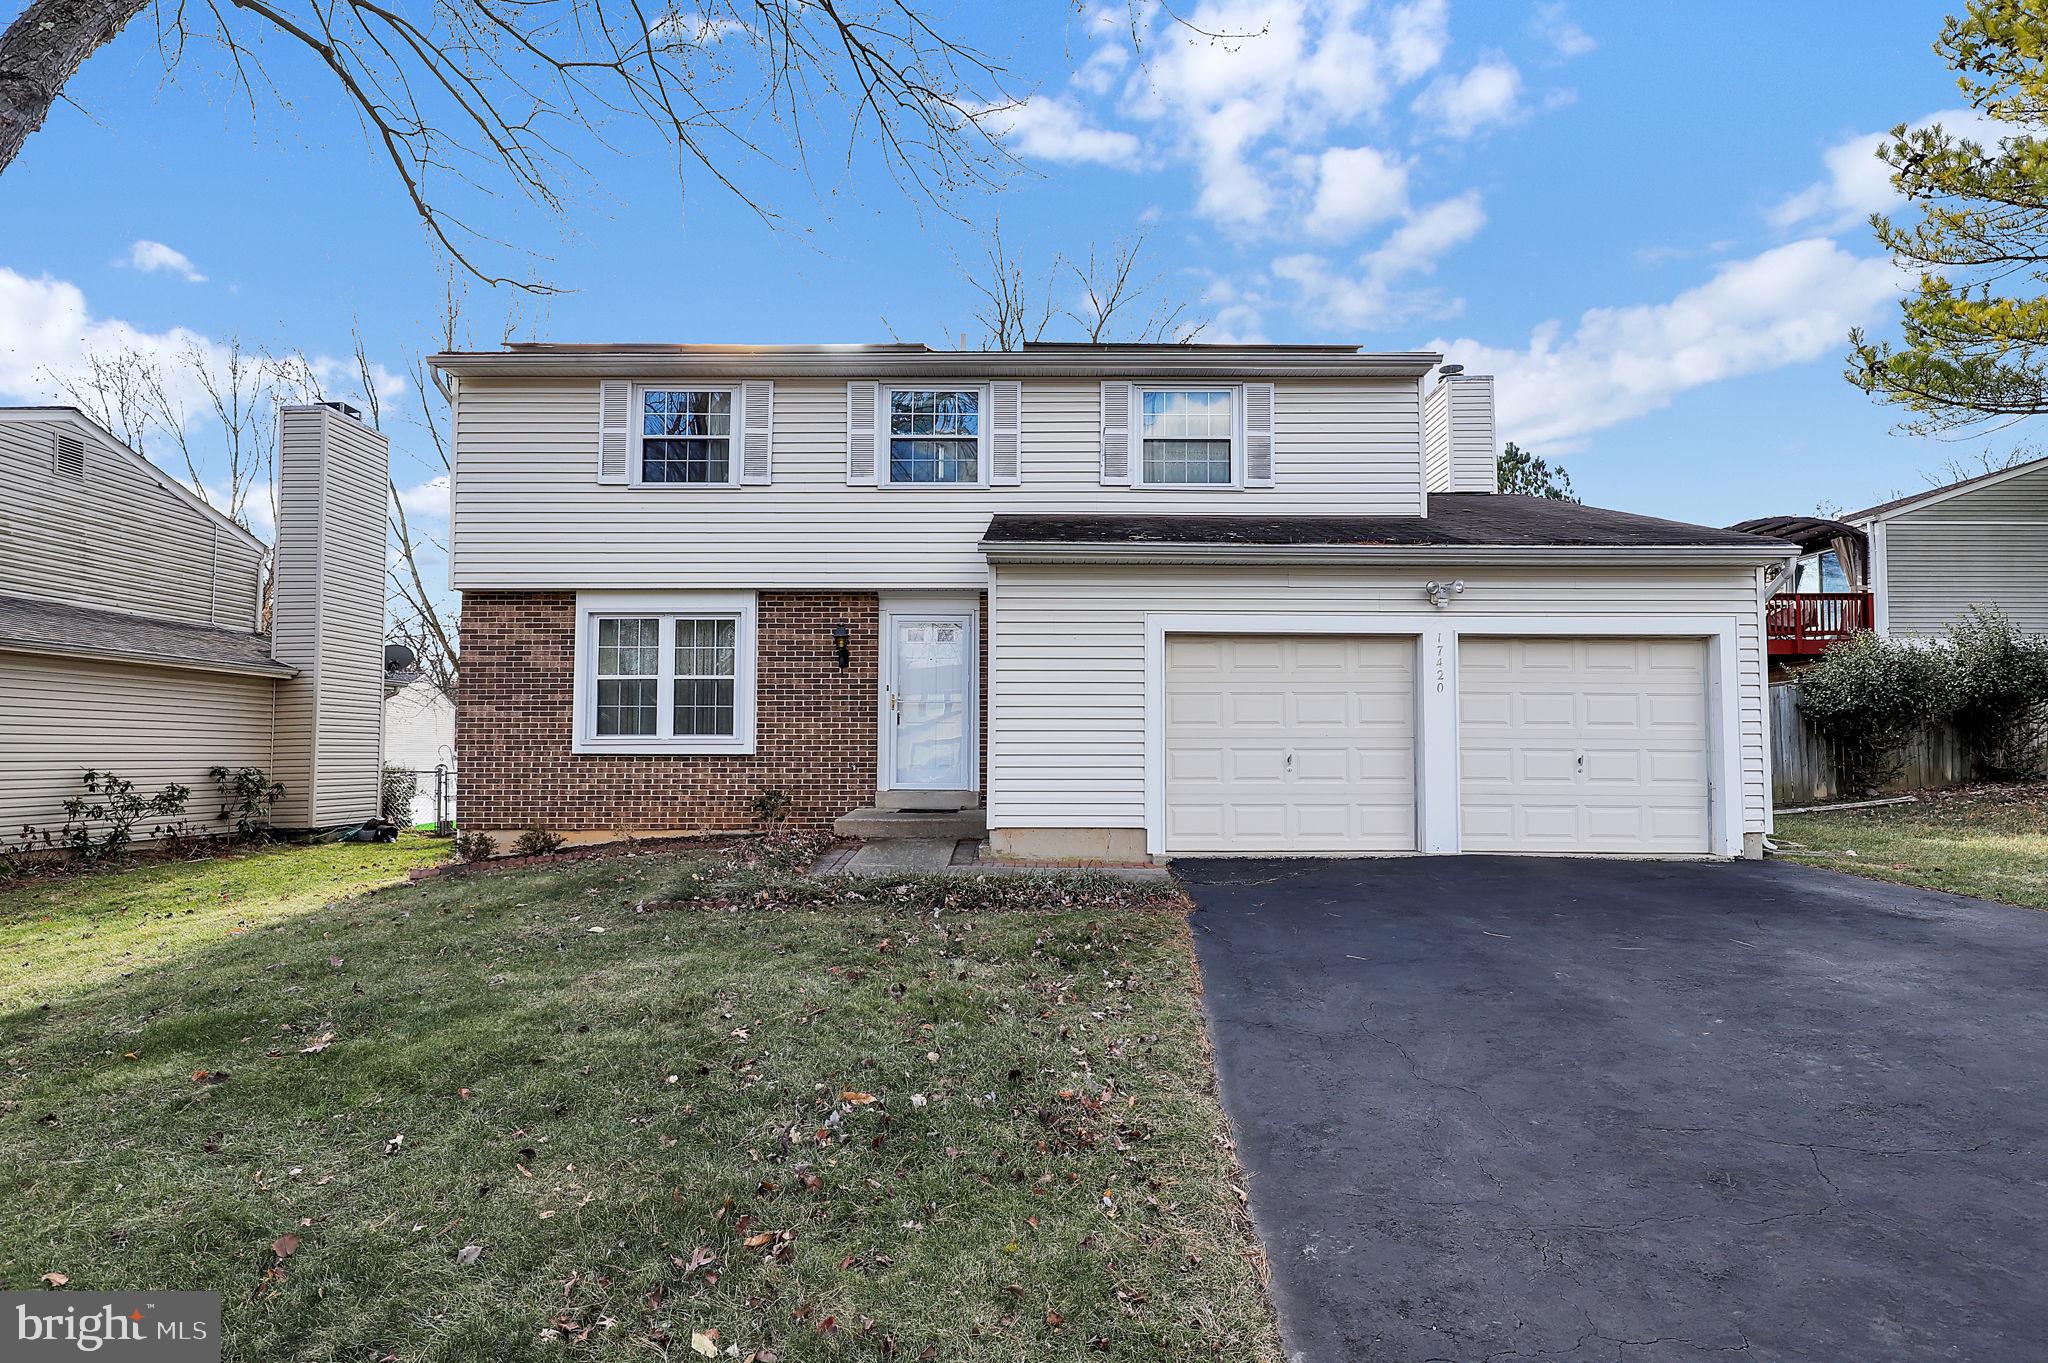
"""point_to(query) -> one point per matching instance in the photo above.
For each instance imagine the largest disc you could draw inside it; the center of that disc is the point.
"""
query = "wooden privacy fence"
(1803, 765)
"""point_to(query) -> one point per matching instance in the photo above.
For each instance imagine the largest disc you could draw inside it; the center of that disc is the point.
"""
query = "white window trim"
(1137, 435)
(734, 441)
(883, 439)
(742, 607)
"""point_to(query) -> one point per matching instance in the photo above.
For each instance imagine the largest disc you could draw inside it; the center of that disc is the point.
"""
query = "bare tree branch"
(465, 98)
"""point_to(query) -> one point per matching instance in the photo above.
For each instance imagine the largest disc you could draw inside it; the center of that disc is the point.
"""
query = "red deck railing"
(1805, 623)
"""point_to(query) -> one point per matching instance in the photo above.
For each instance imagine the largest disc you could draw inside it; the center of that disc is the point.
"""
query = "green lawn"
(640, 1100)
(1990, 842)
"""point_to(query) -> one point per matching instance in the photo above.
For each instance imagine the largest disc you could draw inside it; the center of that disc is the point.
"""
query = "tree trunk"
(38, 54)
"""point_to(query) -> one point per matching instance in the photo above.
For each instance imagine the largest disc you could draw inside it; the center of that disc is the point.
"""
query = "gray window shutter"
(757, 413)
(614, 431)
(1005, 435)
(1116, 434)
(861, 399)
(1258, 435)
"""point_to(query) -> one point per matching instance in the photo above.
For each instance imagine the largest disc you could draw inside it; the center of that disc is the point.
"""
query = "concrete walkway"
(936, 856)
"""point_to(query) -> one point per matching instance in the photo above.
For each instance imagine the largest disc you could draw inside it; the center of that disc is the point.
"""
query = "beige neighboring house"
(131, 615)
(1980, 542)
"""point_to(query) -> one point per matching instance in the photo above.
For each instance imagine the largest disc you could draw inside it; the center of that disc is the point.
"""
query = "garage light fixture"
(1440, 593)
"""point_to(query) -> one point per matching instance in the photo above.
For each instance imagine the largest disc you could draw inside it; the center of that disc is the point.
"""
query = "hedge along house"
(1113, 602)
(132, 613)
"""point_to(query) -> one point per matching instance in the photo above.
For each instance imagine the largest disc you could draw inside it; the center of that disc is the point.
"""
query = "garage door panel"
(1606, 751)
(1342, 707)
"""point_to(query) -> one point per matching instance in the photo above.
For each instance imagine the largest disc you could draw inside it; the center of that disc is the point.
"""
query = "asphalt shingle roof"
(63, 630)
(1455, 519)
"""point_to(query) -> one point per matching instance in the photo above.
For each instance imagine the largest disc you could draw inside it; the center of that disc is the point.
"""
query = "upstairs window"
(1189, 437)
(935, 435)
(686, 436)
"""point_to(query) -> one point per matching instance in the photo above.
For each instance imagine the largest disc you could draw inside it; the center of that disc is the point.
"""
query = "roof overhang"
(274, 671)
(1152, 362)
(1431, 555)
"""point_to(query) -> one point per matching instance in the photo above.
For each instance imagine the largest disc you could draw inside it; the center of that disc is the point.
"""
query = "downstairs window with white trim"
(665, 673)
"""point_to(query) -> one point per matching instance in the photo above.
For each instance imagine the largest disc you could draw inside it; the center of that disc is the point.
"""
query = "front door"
(929, 695)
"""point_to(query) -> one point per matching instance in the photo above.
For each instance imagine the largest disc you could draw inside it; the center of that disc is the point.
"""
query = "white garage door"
(1583, 745)
(1284, 744)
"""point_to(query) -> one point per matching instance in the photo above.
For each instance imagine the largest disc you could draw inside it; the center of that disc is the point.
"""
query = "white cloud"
(1370, 295)
(1858, 184)
(1053, 128)
(152, 257)
(1555, 27)
(1356, 187)
(426, 499)
(1489, 93)
(47, 331)
(1789, 305)
(1242, 88)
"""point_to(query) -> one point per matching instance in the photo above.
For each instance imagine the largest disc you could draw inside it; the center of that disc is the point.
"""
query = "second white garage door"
(1583, 745)
(1290, 744)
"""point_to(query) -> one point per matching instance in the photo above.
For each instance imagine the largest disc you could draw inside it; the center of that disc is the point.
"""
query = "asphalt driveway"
(1499, 1108)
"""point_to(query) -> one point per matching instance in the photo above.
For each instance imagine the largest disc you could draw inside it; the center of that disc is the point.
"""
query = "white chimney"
(327, 616)
(1459, 449)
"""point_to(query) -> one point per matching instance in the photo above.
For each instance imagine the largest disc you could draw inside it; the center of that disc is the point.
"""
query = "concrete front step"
(929, 801)
(876, 825)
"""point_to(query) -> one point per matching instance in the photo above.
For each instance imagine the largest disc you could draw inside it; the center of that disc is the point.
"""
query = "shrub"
(476, 846)
(1867, 696)
(538, 842)
(770, 806)
(1999, 694)
(99, 823)
(401, 784)
(246, 796)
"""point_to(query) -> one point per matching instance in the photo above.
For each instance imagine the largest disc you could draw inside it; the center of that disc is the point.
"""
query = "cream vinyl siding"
(530, 513)
(328, 620)
(120, 540)
(1067, 659)
(1458, 440)
(1583, 745)
(1984, 547)
(1278, 743)
(151, 725)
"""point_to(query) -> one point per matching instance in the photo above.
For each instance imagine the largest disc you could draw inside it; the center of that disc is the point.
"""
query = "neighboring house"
(419, 732)
(131, 613)
(1112, 601)
(1980, 542)
(1824, 597)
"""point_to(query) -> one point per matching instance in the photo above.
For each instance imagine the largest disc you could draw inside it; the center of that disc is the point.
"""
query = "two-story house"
(1124, 601)
(132, 624)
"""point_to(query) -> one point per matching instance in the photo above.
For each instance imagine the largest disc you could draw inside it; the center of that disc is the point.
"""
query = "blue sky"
(1646, 219)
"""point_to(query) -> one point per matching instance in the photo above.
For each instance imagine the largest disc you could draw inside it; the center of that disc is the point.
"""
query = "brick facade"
(815, 725)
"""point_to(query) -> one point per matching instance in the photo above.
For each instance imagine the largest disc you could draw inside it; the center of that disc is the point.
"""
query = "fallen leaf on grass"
(468, 1255)
(284, 1246)
(56, 1279)
(395, 1144)
(856, 1099)
(317, 1044)
(704, 1342)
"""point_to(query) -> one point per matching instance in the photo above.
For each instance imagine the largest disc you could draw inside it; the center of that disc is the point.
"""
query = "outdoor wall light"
(841, 648)
(1440, 593)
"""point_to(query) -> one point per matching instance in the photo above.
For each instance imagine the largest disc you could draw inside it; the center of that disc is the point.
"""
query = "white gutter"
(1491, 555)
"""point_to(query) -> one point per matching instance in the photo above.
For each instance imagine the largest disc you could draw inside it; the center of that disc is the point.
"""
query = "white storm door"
(1583, 745)
(1278, 743)
(930, 699)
